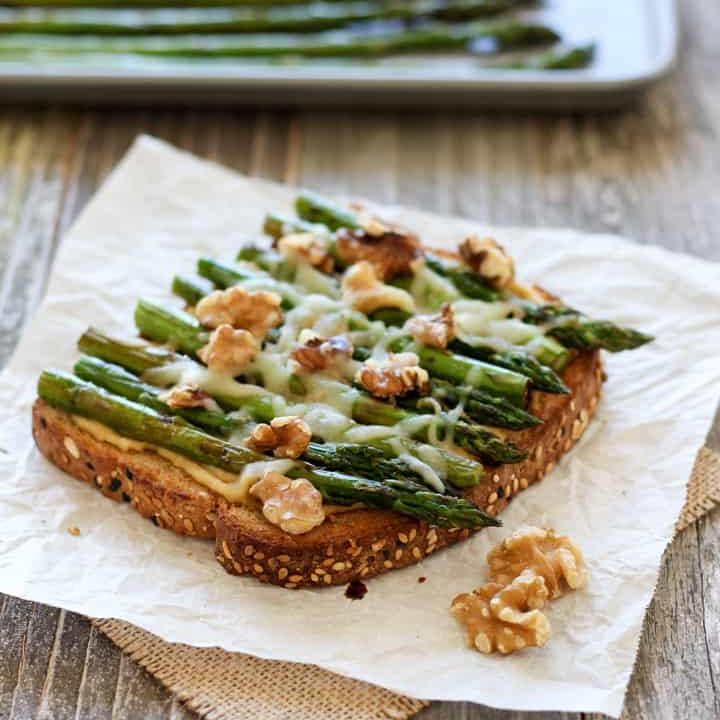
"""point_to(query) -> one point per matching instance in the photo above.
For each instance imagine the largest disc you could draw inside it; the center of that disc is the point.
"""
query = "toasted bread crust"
(353, 544)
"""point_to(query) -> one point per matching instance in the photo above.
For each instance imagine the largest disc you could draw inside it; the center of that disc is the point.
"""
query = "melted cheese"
(471, 317)
(232, 487)
(430, 290)
(369, 433)
(325, 422)
(314, 281)
(187, 371)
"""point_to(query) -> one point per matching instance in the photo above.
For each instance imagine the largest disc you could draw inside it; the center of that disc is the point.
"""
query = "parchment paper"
(617, 494)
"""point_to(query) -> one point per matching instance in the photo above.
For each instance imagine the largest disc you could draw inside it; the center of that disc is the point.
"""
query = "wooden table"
(651, 173)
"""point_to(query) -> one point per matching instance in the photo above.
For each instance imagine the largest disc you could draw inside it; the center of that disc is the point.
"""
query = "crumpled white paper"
(617, 494)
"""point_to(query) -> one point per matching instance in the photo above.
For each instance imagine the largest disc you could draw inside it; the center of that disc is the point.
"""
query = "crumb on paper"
(356, 590)
(74, 531)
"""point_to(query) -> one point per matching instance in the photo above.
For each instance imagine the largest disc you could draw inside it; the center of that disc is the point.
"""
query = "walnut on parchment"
(527, 570)
(554, 557)
(504, 618)
(293, 505)
(287, 437)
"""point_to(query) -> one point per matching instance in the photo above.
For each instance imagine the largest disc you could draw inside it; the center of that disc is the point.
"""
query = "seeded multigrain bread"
(348, 545)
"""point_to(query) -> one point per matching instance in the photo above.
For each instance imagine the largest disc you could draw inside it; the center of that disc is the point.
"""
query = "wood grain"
(650, 173)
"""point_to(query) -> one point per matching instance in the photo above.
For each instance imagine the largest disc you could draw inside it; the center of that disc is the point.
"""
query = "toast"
(353, 544)
(478, 383)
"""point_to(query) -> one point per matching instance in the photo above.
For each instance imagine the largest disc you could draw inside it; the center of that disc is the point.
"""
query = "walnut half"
(398, 375)
(307, 248)
(552, 557)
(527, 570)
(388, 249)
(488, 259)
(229, 351)
(188, 396)
(363, 289)
(504, 618)
(255, 311)
(315, 353)
(433, 330)
(287, 437)
(293, 505)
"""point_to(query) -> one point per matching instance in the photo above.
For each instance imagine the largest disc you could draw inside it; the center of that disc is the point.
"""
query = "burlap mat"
(220, 685)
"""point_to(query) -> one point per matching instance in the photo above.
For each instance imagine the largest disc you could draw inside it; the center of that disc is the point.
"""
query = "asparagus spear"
(138, 422)
(276, 225)
(314, 16)
(327, 44)
(141, 357)
(492, 7)
(461, 370)
(575, 330)
(167, 325)
(134, 355)
(559, 58)
(192, 289)
(224, 275)
(466, 283)
(121, 382)
(479, 406)
(474, 439)
(541, 376)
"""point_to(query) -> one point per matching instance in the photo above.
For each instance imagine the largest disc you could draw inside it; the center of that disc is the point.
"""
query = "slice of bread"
(348, 545)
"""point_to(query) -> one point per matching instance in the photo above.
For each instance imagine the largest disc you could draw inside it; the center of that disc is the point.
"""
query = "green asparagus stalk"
(168, 325)
(192, 289)
(541, 376)
(328, 44)
(472, 438)
(479, 406)
(143, 357)
(224, 275)
(276, 225)
(314, 16)
(461, 370)
(135, 355)
(121, 382)
(317, 210)
(466, 283)
(559, 58)
(138, 422)
(491, 7)
(575, 330)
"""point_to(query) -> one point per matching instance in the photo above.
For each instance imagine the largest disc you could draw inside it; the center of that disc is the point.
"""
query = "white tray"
(636, 44)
